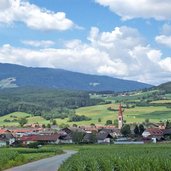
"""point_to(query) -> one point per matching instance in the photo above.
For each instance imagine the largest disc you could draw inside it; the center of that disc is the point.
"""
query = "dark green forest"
(49, 103)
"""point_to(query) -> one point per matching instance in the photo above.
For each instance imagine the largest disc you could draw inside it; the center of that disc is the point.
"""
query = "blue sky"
(104, 37)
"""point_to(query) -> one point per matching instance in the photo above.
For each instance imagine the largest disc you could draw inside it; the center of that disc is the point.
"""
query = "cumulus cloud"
(164, 40)
(129, 9)
(39, 43)
(166, 64)
(121, 53)
(81, 58)
(33, 16)
(4, 4)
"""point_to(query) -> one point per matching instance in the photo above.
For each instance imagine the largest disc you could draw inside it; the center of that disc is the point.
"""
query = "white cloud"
(166, 64)
(33, 16)
(40, 43)
(82, 58)
(129, 9)
(154, 55)
(164, 40)
(4, 4)
(120, 53)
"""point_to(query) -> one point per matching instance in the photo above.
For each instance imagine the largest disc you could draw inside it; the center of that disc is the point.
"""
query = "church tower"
(120, 117)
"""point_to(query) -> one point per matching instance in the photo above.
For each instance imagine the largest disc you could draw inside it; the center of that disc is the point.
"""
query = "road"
(48, 164)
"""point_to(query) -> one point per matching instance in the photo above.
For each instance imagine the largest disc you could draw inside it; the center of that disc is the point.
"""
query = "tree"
(141, 129)
(77, 137)
(168, 124)
(54, 122)
(93, 138)
(125, 130)
(99, 119)
(115, 122)
(48, 125)
(136, 130)
(63, 125)
(92, 124)
(22, 121)
(74, 125)
(43, 126)
(108, 122)
(147, 121)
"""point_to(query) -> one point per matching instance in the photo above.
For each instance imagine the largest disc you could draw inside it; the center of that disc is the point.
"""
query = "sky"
(119, 38)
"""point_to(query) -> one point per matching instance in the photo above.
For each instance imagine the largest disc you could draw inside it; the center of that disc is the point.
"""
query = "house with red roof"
(151, 133)
(41, 138)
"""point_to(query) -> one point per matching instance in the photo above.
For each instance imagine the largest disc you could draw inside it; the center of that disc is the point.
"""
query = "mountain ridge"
(62, 79)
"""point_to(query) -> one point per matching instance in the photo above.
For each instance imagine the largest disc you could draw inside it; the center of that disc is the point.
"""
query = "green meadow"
(137, 114)
(155, 111)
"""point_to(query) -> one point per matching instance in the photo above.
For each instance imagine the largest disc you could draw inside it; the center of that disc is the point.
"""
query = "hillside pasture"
(12, 118)
(31, 119)
(161, 102)
(158, 111)
(137, 114)
(128, 97)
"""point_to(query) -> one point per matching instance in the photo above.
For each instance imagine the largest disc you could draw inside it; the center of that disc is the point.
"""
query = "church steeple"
(120, 117)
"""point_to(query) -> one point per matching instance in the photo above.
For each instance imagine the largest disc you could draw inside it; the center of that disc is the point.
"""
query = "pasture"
(158, 111)
(137, 114)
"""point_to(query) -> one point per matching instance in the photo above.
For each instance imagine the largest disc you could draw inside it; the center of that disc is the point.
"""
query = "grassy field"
(137, 114)
(10, 157)
(161, 101)
(120, 158)
(31, 119)
(132, 97)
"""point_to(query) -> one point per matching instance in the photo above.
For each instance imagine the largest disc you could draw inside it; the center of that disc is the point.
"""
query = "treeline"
(166, 87)
(49, 103)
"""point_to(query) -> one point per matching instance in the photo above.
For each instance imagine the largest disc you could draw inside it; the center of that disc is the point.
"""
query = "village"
(34, 134)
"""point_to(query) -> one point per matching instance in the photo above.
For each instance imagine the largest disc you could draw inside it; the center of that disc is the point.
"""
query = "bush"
(77, 118)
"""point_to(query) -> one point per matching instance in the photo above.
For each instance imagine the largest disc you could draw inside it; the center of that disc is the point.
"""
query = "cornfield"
(121, 158)
(9, 158)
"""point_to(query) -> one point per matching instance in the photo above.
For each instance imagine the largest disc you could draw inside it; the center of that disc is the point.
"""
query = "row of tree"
(49, 103)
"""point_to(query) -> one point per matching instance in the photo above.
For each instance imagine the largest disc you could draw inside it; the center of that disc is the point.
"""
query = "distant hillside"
(19, 76)
(166, 87)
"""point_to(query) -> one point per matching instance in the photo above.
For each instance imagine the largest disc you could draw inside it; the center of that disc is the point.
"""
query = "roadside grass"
(10, 157)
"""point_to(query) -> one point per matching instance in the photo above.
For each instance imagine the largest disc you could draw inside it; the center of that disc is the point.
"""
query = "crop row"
(120, 158)
(10, 157)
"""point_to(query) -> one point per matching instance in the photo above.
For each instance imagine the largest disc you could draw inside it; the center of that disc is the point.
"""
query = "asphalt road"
(48, 164)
